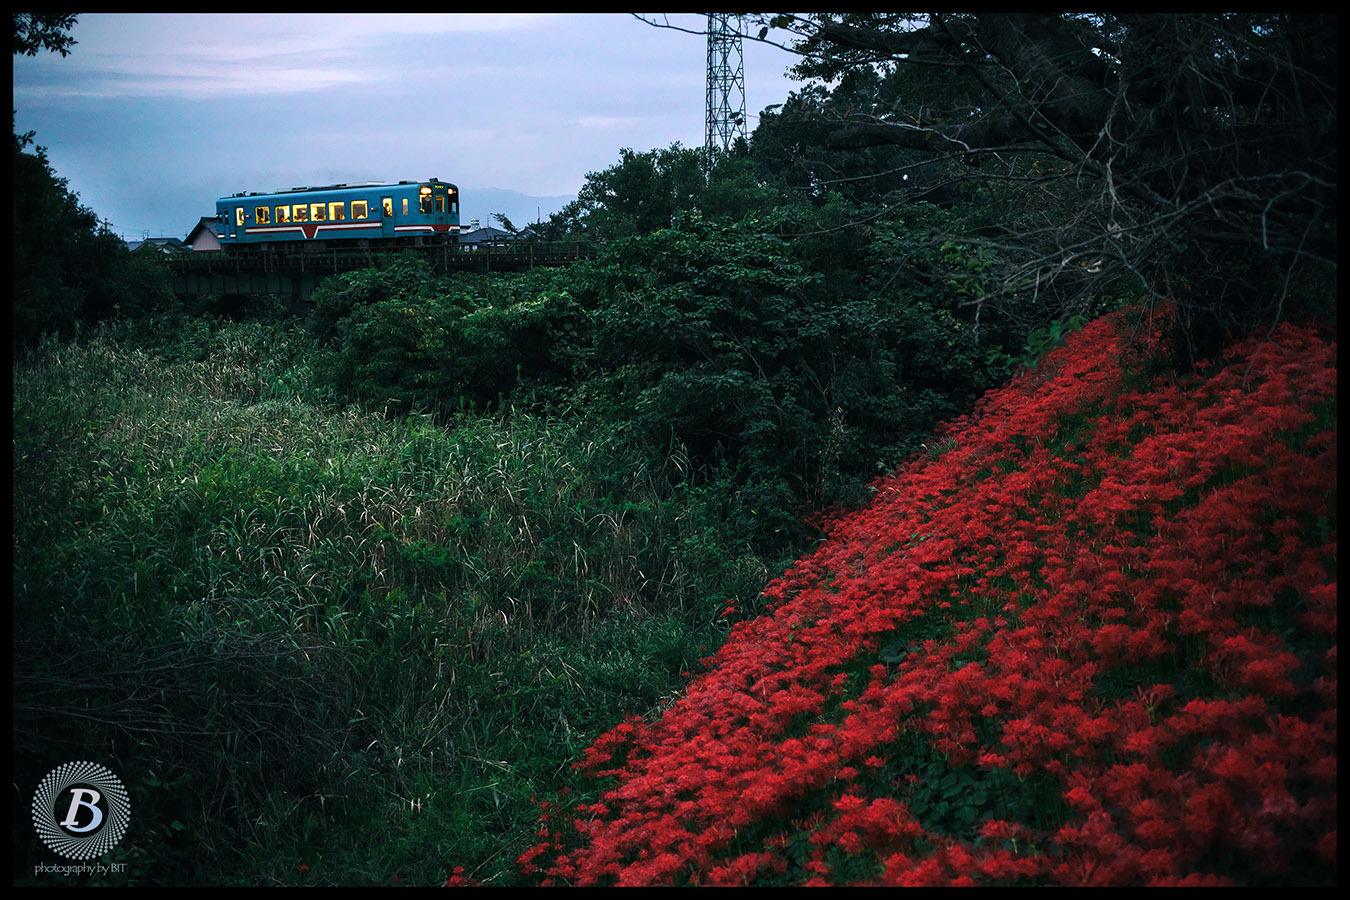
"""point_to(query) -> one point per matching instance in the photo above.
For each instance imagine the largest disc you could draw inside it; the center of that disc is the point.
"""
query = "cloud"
(199, 79)
(208, 56)
(611, 122)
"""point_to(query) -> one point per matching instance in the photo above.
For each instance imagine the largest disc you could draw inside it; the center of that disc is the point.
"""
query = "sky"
(151, 118)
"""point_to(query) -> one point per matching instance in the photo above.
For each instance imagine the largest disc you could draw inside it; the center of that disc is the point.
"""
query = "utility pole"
(726, 84)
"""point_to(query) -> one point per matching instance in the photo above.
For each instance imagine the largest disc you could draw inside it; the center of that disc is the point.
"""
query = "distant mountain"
(522, 209)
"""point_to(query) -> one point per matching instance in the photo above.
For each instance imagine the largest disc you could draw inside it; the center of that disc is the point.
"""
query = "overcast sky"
(151, 118)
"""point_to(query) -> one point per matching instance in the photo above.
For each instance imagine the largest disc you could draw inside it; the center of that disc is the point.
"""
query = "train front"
(437, 214)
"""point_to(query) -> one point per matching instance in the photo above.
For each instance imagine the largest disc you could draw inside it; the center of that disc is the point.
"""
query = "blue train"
(368, 215)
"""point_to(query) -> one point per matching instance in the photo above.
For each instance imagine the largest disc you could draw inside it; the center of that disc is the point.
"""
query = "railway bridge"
(296, 272)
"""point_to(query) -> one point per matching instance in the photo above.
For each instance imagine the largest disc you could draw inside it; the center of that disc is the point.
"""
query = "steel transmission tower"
(726, 83)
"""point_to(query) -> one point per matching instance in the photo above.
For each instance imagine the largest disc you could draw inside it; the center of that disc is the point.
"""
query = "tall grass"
(322, 645)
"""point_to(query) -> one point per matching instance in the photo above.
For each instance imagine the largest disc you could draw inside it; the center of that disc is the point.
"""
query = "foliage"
(403, 339)
(790, 149)
(34, 32)
(1192, 154)
(1040, 342)
(67, 269)
(1093, 642)
(319, 645)
(341, 601)
(762, 356)
(642, 192)
(725, 341)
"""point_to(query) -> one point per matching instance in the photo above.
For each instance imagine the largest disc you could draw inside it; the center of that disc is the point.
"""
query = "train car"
(367, 215)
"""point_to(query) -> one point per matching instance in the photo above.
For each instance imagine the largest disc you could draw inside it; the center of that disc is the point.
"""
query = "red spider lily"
(1092, 643)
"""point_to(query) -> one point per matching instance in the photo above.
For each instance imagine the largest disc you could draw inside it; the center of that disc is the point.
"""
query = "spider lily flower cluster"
(1093, 642)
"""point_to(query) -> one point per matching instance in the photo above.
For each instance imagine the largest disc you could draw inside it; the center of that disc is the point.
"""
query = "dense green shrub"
(719, 334)
(403, 339)
(721, 339)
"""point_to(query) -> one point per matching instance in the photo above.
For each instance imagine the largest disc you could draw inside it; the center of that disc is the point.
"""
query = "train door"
(434, 206)
(387, 217)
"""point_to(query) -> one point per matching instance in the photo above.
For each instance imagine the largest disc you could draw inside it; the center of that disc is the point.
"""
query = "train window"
(405, 206)
(260, 214)
(454, 207)
(316, 213)
(239, 216)
(299, 213)
(336, 212)
(440, 203)
(424, 201)
(283, 214)
(359, 209)
(388, 203)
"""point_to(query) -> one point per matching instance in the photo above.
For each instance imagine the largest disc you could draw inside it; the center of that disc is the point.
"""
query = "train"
(373, 215)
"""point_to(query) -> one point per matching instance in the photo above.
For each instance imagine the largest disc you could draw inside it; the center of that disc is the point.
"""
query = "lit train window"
(388, 203)
(440, 203)
(336, 212)
(283, 214)
(424, 200)
(299, 213)
(239, 216)
(260, 215)
(405, 206)
(359, 210)
(316, 213)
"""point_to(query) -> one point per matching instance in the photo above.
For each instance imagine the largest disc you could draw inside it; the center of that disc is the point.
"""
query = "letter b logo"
(94, 806)
(79, 801)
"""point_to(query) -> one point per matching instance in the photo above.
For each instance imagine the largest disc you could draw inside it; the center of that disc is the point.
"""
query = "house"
(488, 234)
(204, 235)
(160, 244)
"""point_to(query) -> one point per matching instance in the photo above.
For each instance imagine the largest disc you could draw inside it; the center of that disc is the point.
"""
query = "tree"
(66, 267)
(790, 145)
(34, 32)
(639, 194)
(1194, 153)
